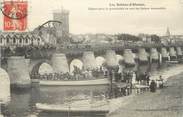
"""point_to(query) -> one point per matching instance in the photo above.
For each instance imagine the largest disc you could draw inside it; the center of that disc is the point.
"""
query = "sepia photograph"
(91, 58)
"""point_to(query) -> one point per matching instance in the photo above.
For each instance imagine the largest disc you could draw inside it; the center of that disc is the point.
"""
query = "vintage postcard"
(91, 58)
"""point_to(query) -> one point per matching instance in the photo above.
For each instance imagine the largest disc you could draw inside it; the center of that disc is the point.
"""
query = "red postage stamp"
(15, 15)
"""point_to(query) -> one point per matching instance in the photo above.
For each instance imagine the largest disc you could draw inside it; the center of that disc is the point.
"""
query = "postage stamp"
(15, 15)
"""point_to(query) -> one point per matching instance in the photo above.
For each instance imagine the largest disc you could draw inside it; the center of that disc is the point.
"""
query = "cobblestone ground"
(167, 102)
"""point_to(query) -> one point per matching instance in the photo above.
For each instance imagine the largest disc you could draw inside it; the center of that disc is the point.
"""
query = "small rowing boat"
(75, 107)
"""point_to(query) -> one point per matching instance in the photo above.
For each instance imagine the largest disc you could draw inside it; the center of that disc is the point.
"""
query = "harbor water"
(22, 102)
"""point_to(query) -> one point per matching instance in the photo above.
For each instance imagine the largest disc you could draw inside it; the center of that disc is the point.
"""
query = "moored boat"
(172, 62)
(103, 81)
(74, 107)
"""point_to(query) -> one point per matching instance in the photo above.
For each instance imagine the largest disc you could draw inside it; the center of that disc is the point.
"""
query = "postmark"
(15, 15)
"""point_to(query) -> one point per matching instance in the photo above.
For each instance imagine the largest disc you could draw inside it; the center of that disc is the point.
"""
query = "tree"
(155, 38)
(128, 37)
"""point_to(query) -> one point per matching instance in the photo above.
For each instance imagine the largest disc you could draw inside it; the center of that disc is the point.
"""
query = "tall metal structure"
(48, 32)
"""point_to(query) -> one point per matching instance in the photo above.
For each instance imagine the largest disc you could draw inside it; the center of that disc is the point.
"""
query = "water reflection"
(143, 68)
(64, 94)
(60, 94)
(20, 104)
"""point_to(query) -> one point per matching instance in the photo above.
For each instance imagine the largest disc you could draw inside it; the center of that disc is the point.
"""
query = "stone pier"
(111, 58)
(4, 87)
(142, 55)
(18, 72)
(59, 63)
(179, 52)
(129, 58)
(89, 60)
(172, 53)
(154, 55)
(164, 54)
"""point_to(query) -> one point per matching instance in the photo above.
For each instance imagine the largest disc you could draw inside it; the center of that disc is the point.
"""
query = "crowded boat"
(77, 74)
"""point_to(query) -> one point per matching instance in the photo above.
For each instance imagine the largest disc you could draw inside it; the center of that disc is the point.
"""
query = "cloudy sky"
(83, 20)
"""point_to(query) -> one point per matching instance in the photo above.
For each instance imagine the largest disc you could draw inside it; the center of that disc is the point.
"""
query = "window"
(20, 41)
(38, 41)
(1, 40)
(14, 40)
(8, 40)
(26, 40)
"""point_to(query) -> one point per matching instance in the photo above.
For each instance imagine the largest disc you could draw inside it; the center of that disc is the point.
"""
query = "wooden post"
(150, 59)
(111, 87)
(160, 58)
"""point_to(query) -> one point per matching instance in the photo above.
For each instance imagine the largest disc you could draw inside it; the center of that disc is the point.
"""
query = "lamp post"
(111, 73)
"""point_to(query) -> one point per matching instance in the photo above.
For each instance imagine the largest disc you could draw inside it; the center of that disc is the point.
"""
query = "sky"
(83, 20)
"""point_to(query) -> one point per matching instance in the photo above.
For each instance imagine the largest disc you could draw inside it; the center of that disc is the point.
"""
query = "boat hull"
(73, 114)
(104, 81)
(66, 109)
(173, 62)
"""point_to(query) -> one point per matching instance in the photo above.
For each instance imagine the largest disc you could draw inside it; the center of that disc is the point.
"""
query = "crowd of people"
(143, 79)
(52, 76)
(158, 83)
(77, 74)
(129, 77)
